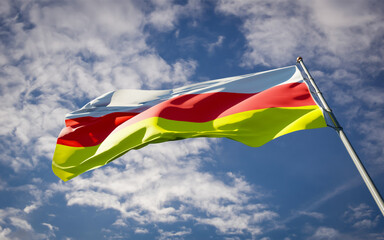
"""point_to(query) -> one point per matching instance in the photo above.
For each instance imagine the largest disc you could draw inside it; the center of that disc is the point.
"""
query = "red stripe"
(191, 107)
(209, 106)
(90, 131)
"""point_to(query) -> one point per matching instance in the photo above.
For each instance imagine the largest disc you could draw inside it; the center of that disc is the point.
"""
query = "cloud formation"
(163, 184)
(56, 56)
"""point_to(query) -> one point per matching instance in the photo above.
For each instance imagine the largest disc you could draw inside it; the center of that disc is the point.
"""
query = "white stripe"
(130, 100)
(250, 83)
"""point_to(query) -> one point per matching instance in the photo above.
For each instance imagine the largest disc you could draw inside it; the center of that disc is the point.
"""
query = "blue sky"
(55, 56)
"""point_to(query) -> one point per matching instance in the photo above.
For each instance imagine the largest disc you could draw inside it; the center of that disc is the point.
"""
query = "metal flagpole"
(368, 181)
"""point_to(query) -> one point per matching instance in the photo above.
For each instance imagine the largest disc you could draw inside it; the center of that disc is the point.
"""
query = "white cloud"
(342, 13)
(366, 223)
(4, 233)
(50, 226)
(62, 54)
(20, 223)
(59, 55)
(329, 233)
(30, 208)
(166, 14)
(347, 25)
(278, 32)
(358, 212)
(344, 37)
(361, 217)
(325, 233)
(162, 183)
(174, 235)
(51, 230)
(14, 225)
(273, 35)
(211, 46)
(36, 193)
(316, 215)
(120, 222)
(141, 231)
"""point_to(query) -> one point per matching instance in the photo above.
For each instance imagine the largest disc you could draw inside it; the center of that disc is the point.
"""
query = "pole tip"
(299, 59)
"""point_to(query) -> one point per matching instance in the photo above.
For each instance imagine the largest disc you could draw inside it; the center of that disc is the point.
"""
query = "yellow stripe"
(66, 157)
(253, 128)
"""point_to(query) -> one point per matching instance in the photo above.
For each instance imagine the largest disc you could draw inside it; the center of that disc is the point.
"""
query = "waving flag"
(252, 109)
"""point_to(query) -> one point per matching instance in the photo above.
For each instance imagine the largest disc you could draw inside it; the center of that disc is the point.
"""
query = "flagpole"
(356, 160)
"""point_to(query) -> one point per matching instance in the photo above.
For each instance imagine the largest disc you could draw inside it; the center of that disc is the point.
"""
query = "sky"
(55, 56)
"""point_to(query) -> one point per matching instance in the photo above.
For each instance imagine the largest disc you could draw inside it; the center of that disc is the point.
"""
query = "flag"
(252, 109)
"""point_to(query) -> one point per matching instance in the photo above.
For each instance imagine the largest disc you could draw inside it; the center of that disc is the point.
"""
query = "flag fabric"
(252, 109)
